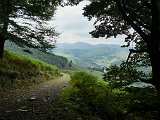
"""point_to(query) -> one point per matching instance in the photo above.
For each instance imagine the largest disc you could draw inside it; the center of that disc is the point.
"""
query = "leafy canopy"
(25, 22)
(115, 17)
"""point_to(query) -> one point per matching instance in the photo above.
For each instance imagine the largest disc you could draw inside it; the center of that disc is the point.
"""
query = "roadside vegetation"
(18, 70)
(90, 98)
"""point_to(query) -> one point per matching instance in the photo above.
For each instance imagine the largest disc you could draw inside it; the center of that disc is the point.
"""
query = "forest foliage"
(24, 22)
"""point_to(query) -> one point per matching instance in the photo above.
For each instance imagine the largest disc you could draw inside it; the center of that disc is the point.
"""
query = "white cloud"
(74, 27)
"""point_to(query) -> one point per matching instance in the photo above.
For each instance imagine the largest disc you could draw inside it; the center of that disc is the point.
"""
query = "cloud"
(74, 27)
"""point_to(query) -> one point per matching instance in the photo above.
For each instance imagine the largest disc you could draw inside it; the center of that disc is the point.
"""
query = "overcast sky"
(74, 27)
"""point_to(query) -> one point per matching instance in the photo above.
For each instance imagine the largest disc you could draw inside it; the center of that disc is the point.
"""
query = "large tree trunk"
(2, 41)
(5, 21)
(154, 44)
(154, 55)
(3, 37)
(154, 49)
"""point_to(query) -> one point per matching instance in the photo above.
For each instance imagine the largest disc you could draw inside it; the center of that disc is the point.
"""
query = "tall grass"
(19, 70)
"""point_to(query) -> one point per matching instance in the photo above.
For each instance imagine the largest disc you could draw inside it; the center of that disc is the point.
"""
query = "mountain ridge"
(82, 45)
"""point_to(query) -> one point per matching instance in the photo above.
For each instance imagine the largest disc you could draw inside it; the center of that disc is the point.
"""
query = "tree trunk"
(2, 41)
(154, 47)
(5, 22)
(154, 54)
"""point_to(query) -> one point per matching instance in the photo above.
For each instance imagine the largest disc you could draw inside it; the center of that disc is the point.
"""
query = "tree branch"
(130, 21)
(137, 51)
(134, 18)
(133, 51)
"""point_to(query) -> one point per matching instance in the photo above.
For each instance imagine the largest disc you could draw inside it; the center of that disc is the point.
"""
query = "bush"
(90, 97)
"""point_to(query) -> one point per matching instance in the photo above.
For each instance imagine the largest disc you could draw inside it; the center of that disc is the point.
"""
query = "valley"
(92, 56)
(80, 55)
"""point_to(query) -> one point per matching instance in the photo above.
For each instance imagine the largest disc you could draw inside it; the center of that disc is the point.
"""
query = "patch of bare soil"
(31, 103)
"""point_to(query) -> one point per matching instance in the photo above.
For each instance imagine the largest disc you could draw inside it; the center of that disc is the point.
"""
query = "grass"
(85, 98)
(19, 70)
(89, 98)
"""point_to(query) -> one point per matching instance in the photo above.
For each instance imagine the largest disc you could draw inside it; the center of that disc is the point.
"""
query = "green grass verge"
(18, 70)
(89, 98)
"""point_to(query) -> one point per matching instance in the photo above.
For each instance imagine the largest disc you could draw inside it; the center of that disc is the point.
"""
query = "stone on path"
(22, 109)
(33, 98)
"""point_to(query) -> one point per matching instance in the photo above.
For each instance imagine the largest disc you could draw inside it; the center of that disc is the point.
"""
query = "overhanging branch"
(137, 51)
(133, 51)
(134, 18)
(129, 20)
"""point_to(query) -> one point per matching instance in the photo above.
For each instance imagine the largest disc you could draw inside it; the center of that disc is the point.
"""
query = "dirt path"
(33, 103)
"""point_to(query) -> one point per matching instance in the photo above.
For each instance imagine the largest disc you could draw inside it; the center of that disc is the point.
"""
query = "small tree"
(24, 23)
(120, 77)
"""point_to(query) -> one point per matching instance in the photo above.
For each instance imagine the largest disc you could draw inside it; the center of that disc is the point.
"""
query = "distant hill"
(53, 59)
(79, 45)
(94, 56)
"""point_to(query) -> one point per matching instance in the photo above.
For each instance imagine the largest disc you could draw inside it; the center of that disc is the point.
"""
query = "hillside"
(95, 56)
(59, 61)
(19, 70)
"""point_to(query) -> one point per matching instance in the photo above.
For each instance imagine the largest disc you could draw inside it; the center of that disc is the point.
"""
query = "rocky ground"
(31, 103)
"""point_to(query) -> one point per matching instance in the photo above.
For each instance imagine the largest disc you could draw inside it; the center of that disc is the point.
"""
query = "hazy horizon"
(65, 42)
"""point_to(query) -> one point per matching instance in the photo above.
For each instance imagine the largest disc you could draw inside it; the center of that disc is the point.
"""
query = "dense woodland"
(124, 91)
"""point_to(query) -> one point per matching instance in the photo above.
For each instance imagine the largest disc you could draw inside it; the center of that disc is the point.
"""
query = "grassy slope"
(18, 70)
(50, 58)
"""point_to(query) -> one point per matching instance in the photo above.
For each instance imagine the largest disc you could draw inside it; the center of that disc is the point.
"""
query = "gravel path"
(32, 103)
